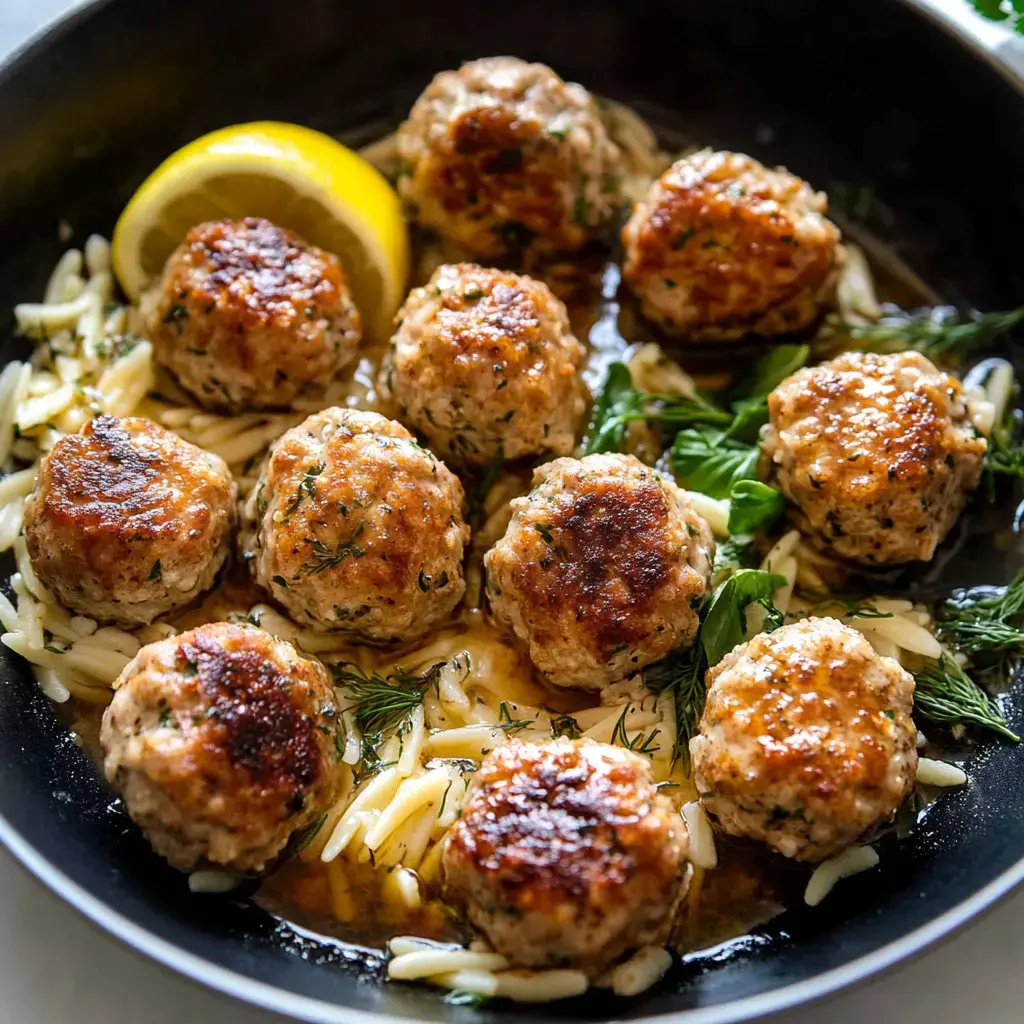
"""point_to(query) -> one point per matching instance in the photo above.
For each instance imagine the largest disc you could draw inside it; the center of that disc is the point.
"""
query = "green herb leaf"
(710, 462)
(753, 505)
(157, 572)
(772, 368)
(682, 673)
(934, 333)
(986, 627)
(619, 404)
(725, 624)
(1004, 455)
(946, 694)
(382, 704)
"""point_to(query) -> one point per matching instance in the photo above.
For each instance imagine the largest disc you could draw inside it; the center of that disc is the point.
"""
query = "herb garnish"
(935, 332)
(987, 629)
(619, 404)
(946, 694)
(325, 557)
(723, 626)
(307, 486)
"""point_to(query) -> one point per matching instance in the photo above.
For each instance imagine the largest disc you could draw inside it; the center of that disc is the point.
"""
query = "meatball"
(354, 527)
(248, 316)
(723, 247)
(602, 570)
(806, 740)
(502, 156)
(222, 742)
(566, 855)
(127, 521)
(484, 365)
(876, 453)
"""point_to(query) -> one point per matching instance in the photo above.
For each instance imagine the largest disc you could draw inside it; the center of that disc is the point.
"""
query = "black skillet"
(861, 91)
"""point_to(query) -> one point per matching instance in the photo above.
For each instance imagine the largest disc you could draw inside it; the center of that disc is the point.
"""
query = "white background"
(56, 968)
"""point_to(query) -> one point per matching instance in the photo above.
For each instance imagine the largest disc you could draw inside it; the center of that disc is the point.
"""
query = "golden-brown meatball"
(484, 365)
(502, 156)
(602, 570)
(223, 742)
(566, 855)
(354, 527)
(723, 247)
(127, 521)
(806, 741)
(248, 316)
(876, 452)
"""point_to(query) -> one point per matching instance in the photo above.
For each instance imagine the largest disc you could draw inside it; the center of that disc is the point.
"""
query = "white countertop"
(54, 967)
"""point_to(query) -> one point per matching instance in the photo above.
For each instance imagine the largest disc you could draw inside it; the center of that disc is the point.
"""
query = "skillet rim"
(316, 1011)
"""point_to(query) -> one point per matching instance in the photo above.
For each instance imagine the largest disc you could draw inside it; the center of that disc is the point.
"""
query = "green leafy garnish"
(639, 744)
(772, 368)
(934, 332)
(157, 572)
(987, 629)
(946, 694)
(381, 705)
(725, 624)
(711, 462)
(619, 404)
(1004, 455)
(753, 505)
(682, 673)
(999, 10)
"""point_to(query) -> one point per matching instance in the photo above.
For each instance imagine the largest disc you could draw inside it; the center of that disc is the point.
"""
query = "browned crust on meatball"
(602, 569)
(484, 363)
(263, 314)
(253, 750)
(806, 739)
(561, 829)
(877, 453)
(353, 526)
(122, 512)
(722, 247)
(489, 163)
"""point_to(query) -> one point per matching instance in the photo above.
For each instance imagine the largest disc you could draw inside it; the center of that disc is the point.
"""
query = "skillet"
(863, 91)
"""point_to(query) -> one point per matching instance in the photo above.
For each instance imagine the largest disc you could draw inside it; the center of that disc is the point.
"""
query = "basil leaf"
(710, 462)
(617, 399)
(753, 505)
(725, 625)
(772, 368)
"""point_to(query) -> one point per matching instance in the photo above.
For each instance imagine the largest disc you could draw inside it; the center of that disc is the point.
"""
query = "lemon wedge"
(294, 176)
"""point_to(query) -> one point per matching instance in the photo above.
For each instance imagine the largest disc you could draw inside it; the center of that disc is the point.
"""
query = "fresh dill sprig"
(640, 743)
(946, 694)
(1004, 455)
(987, 629)
(509, 724)
(682, 673)
(935, 332)
(381, 705)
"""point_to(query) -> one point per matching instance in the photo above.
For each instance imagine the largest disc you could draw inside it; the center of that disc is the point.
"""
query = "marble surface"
(56, 967)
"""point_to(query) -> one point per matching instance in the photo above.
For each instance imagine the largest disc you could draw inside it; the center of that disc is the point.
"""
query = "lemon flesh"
(294, 176)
